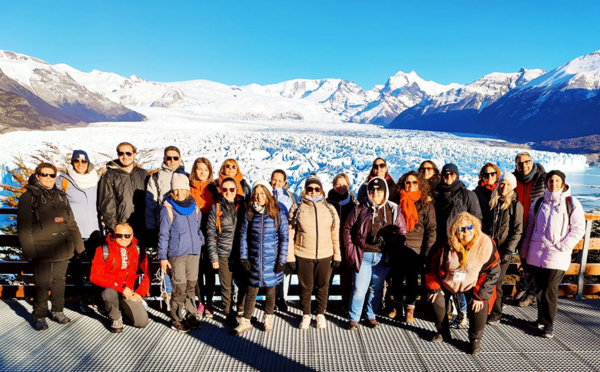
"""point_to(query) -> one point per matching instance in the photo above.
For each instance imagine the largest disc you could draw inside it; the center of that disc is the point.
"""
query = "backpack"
(65, 184)
(171, 216)
(219, 214)
(294, 218)
(105, 251)
(538, 203)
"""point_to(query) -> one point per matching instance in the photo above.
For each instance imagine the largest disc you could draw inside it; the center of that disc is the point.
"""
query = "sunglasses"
(230, 189)
(128, 153)
(171, 158)
(522, 163)
(51, 175)
(411, 182)
(123, 236)
(313, 189)
(487, 175)
(82, 161)
(448, 174)
(230, 166)
(380, 166)
(376, 189)
(464, 229)
(424, 169)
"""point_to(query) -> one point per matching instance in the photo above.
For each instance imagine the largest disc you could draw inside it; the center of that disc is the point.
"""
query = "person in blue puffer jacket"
(179, 242)
(263, 251)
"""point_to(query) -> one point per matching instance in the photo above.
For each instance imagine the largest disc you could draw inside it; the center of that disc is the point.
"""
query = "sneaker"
(179, 327)
(476, 347)
(372, 323)
(321, 321)
(40, 324)
(305, 323)
(60, 317)
(548, 332)
(410, 314)
(535, 325)
(352, 326)
(268, 321)
(244, 326)
(527, 301)
(493, 321)
(200, 309)
(208, 312)
(438, 337)
(117, 326)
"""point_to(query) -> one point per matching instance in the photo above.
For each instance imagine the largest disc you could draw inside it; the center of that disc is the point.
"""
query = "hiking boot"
(180, 327)
(244, 326)
(60, 317)
(519, 296)
(410, 313)
(321, 321)
(268, 321)
(548, 332)
(352, 326)
(40, 324)
(527, 301)
(392, 313)
(493, 321)
(239, 316)
(305, 323)
(117, 326)
(476, 347)
(372, 323)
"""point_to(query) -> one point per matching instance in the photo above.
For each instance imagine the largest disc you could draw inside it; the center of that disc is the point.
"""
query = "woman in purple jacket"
(373, 230)
(555, 225)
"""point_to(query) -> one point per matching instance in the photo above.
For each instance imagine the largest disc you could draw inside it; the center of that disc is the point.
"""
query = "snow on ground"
(297, 147)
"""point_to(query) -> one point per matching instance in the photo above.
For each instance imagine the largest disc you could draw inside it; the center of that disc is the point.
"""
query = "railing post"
(583, 258)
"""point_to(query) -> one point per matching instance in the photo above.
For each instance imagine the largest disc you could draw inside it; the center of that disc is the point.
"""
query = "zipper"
(317, 231)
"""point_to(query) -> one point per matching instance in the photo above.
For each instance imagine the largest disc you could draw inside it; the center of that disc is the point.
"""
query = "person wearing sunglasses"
(80, 183)
(430, 173)
(121, 192)
(555, 226)
(488, 182)
(223, 231)
(179, 244)
(531, 181)
(49, 236)
(468, 263)
(379, 168)
(122, 268)
(506, 229)
(231, 169)
(314, 248)
(416, 205)
(374, 232)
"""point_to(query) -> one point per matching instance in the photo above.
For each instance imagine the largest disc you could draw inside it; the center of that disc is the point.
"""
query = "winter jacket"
(204, 193)
(314, 231)
(343, 209)
(182, 235)
(550, 235)
(528, 192)
(122, 196)
(286, 198)
(423, 236)
(264, 245)
(112, 274)
(157, 190)
(484, 195)
(358, 227)
(481, 266)
(225, 241)
(506, 226)
(393, 196)
(46, 224)
(449, 202)
(83, 198)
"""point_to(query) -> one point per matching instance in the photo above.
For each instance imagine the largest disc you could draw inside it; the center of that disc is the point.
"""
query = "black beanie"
(555, 173)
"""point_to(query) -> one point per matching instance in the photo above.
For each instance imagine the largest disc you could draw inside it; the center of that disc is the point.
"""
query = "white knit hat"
(265, 184)
(510, 178)
(180, 182)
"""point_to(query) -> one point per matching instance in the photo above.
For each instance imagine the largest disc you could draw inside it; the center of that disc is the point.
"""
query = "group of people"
(426, 225)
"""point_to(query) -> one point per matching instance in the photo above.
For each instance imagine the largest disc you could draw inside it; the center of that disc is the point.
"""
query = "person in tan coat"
(314, 248)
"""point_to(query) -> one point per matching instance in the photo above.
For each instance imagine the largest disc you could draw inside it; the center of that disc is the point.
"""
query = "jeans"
(369, 279)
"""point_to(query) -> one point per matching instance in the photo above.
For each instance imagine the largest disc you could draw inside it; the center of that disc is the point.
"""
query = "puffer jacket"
(550, 235)
(315, 233)
(285, 197)
(46, 224)
(484, 195)
(122, 196)
(506, 226)
(83, 200)
(423, 236)
(264, 245)
(182, 235)
(225, 242)
(528, 192)
(157, 190)
(449, 202)
(111, 274)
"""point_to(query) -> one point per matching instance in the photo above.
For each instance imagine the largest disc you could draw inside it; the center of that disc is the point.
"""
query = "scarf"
(83, 181)
(486, 185)
(258, 208)
(528, 177)
(446, 194)
(316, 200)
(185, 207)
(238, 180)
(340, 199)
(408, 208)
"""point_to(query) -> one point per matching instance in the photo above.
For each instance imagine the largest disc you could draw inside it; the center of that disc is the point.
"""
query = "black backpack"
(538, 203)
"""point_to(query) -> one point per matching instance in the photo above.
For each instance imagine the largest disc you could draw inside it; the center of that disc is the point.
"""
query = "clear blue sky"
(240, 42)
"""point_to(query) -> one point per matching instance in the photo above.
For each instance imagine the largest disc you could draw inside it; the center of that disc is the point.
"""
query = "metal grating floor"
(86, 344)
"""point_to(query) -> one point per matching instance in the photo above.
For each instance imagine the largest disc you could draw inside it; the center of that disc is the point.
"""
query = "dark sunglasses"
(448, 174)
(121, 236)
(128, 153)
(522, 163)
(464, 229)
(51, 175)
(171, 158)
(82, 161)
(230, 166)
(426, 169)
(230, 189)
(376, 189)
(487, 175)
(313, 189)
(411, 182)
(380, 166)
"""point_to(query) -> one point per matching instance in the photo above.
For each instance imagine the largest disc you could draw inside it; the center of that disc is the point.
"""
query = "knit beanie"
(555, 173)
(263, 184)
(313, 179)
(450, 168)
(180, 182)
(79, 154)
(510, 178)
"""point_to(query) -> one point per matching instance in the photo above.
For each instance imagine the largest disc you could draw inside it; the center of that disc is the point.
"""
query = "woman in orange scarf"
(488, 181)
(231, 168)
(416, 205)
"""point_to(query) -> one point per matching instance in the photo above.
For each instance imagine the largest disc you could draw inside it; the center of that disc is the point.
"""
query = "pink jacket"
(550, 236)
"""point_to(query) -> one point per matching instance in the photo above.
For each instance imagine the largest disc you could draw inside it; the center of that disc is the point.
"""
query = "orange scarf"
(202, 196)
(408, 208)
(238, 180)
(483, 183)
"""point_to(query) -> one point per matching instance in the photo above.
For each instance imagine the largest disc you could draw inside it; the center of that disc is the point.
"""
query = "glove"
(245, 264)
(374, 240)
(335, 264)
(292, 266)
(279, 267)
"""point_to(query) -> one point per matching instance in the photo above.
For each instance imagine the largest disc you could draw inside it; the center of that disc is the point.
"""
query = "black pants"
(409, 267)
(251, 301)
(134, 310)
(228, 272)
(314, 274)
(205, 288)
(477, 320)
(49, 276)
(79, 272)
(496, 313)
(345, 281)
(527, 282)
(184, 276)
(547, 281)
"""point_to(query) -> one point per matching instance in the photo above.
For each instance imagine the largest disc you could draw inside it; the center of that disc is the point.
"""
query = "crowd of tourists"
(424, 236)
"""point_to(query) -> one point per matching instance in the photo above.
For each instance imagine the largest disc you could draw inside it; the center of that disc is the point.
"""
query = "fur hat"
(180, 181)
(510, 178)
(265, 184)
(313, 179)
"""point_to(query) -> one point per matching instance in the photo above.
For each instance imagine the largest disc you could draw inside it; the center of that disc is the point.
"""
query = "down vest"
(225, 241)
(183, 235)
(550, 235)
(46, 225)
(264, 245)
